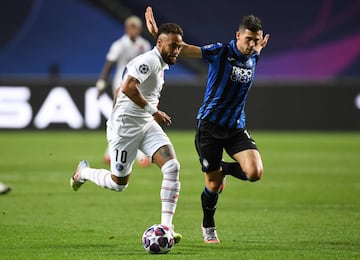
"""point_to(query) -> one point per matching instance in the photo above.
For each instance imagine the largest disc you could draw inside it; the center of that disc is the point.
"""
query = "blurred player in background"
(135, 124)
(4, 189)
(221, 117)
(130, 45)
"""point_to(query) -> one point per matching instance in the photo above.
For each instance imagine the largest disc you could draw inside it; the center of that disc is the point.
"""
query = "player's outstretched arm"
(192, 51)
(150, 21)
(188, 50)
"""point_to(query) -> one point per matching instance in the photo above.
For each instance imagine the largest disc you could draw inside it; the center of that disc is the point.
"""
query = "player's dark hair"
(167, 28)
(252, 23)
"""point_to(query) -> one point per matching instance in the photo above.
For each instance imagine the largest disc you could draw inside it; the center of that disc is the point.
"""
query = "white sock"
(170, 190)
(102, 178)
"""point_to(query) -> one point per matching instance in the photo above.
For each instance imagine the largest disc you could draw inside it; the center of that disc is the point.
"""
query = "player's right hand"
(150, 21)
(162, 118)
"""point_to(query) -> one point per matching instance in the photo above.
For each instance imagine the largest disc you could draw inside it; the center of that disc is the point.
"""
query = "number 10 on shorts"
(122, 155)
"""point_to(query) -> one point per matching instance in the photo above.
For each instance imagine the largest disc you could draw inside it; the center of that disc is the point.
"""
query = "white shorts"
(126, 136)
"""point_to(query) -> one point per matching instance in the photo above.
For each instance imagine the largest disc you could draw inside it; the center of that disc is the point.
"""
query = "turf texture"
(307, 205)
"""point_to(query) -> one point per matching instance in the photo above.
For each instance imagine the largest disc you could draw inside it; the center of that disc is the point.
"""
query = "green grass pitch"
(307, 206)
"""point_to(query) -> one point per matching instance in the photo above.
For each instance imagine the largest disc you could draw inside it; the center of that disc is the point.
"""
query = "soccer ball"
(158, 239)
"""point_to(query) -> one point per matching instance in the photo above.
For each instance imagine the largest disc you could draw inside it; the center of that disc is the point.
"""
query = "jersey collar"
(235, 49)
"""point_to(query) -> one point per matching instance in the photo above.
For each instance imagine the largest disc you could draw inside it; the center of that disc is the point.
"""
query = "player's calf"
(100, 177)
(233, 169)
(251, 172)
(170, 190)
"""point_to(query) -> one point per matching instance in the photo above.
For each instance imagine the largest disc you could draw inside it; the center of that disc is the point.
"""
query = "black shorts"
(211, 140)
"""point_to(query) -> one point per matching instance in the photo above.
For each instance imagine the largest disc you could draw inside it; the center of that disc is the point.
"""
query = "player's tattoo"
(166, 152)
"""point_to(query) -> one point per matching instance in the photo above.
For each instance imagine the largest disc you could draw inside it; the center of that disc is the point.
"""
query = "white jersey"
(122, 51)
(148, 69)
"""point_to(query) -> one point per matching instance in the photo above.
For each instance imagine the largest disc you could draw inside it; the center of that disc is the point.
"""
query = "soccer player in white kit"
(135, 124)
(130, 45)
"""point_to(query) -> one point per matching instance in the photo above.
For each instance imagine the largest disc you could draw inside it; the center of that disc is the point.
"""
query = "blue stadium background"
(313, 54)
(313, 39)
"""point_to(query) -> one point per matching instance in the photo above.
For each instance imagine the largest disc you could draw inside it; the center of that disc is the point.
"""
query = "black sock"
(233, 169)
(208, 203)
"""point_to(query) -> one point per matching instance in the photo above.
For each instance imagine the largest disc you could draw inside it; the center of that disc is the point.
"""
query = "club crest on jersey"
(119, 167)
(143, 68)
(241, 75)
(205, 163)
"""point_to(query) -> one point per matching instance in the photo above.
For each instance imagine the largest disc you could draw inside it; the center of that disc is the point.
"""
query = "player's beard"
(171, 60)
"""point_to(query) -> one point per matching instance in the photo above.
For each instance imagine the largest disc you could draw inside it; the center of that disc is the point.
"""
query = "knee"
(171, 167)
(119, 184)
(254, 172)
(214, 180)
(119, 187)
(213, 186)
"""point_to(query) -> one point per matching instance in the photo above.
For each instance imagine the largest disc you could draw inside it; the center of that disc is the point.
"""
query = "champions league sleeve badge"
(143, 68)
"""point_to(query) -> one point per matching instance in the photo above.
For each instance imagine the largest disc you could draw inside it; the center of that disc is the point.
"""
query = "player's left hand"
(162, 118)
(262, 43)
(150, 21)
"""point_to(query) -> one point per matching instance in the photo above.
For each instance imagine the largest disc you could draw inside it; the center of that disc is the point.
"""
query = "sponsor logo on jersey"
(241, 75)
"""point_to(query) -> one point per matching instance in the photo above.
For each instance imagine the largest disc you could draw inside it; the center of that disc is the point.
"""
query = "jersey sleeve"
(114, 52)
(209, 52)
(140, 69)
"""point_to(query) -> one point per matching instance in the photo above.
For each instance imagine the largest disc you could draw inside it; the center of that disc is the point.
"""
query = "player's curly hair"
(252, 23)
(167, 28)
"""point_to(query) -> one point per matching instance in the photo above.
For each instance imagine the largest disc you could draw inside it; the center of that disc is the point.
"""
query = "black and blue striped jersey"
(230, 78)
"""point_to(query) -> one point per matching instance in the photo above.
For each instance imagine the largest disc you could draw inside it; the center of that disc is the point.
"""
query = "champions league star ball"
(158, 239)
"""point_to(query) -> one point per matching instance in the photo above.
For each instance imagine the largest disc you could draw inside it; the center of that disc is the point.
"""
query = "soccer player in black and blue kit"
(221, 117)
